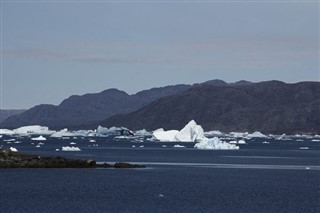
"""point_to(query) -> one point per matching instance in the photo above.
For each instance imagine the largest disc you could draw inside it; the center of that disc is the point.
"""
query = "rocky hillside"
(270, 107)
(6, 113)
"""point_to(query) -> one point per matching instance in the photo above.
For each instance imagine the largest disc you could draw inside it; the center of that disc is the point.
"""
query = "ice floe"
(40, 138)
(178, 146)
(33, 130)
(6, 132)
(63, 133)
(12, 149)
(70, 149)
(214, 143)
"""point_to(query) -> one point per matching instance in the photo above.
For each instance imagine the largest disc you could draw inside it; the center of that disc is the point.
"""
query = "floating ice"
(256, 135)
(190, 133)
(70, 149)
(213, 133)
(143, 133)
(73, 143)
(214, 143)
(92, 141)
(178, 146)
(315, 140)
(162, 135)
(239, 134)
(6, 132)
(40, 138)
(63, 133)
(265, 142)
(304, 148)
(12, 149)
(57, 150)
(33, 130)
(241, 142)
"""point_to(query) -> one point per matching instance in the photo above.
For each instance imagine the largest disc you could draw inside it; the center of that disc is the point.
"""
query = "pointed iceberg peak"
(190, 133)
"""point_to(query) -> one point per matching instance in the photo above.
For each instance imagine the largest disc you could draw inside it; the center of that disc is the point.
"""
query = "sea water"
(260, 177)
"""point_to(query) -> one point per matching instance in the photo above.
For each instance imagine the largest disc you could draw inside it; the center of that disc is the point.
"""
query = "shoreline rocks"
(10, 159)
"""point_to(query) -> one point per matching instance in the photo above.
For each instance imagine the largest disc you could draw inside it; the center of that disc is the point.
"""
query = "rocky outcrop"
(11, 159)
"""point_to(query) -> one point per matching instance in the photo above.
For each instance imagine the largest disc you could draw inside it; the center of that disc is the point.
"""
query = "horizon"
(52, 50)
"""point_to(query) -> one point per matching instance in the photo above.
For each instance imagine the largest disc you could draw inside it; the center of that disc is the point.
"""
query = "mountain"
(77, 111)
(270, 107)
(5, 113)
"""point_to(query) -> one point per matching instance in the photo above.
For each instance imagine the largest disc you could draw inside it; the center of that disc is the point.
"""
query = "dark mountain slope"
(272, 107)
(6, 113)
(77, 111)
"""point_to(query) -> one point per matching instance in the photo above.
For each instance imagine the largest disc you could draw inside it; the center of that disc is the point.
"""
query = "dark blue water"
(275, 177)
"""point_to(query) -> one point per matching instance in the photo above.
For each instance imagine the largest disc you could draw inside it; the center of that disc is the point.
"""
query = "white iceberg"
(12, 149)
(239, 134)
(142, 133)
(6, 132)
(63, 133)
(70, 149)
(40, 138)
(92, 141)
(214, 143)
(178, 146)
(33, 130)
(256, 135)
(162, 135)
(190, 133)
(242, 142)
(213, 133)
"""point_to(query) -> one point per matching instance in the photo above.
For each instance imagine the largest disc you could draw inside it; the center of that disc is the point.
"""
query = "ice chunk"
(63, 133)
(40, 138)
(178, 146)
(214, 143)
(190, 133)
(256, 135)
(6, 132)
(142, 132)
(241, 142)
(33, 130)
(92, 141)
(162, 135)
(12, 149)
(239, 134)
(213, 133)
(70, 149)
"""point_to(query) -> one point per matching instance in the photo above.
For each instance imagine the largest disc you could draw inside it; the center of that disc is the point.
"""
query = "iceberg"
(40, 138)
(12, 149)
(105, 132)
(33, 130)
(142, 133)
(241, 142)
(239, 134)
(70, 149)
(215, 144)
(62, 133)
(213, 133)
(190, 133)
(178, 146)
(6, 132)
(256, 135)
(162, 135)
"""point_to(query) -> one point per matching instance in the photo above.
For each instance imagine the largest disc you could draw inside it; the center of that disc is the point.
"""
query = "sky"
(53, 49)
